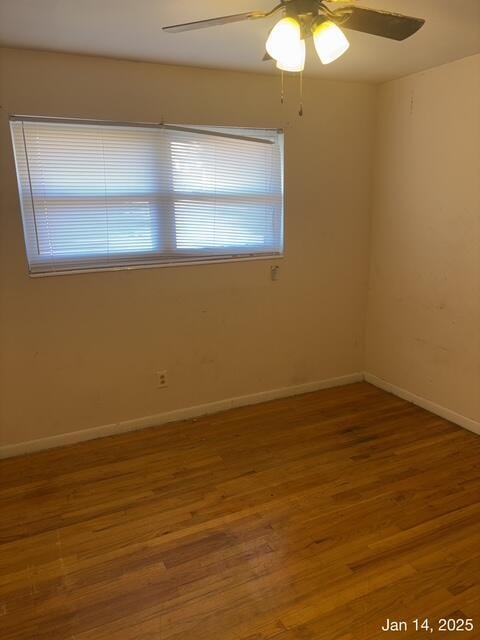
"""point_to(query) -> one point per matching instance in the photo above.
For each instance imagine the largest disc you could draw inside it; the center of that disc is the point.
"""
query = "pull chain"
(300, 112)
(282, 95)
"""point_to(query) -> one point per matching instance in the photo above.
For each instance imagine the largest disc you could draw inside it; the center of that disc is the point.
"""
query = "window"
(99, 196)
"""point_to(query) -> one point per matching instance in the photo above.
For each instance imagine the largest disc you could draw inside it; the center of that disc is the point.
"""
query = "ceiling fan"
(305, 18)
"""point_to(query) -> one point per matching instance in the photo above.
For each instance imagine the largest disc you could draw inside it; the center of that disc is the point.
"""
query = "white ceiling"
(132, 29)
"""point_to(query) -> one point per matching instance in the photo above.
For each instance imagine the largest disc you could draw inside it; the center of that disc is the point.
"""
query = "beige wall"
(82, 351)
(424, 303)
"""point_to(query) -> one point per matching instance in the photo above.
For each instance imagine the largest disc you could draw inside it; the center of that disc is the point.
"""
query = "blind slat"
(95, 196)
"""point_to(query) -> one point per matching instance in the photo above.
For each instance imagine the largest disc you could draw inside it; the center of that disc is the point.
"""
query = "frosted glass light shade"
(293, 57)
(285, 34)
(330, 42)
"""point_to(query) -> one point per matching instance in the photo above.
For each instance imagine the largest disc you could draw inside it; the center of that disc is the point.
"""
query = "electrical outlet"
(275, 273)
(162, 380)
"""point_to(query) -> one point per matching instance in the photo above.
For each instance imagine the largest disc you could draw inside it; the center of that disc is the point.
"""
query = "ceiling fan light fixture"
(330, 42)
(293, 57)
(285, 35)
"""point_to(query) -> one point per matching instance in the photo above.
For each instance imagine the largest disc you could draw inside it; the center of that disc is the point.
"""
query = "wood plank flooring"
(312, 518)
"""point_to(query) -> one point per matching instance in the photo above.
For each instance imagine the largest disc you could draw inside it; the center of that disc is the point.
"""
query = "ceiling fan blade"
(212, 22)
(381, 23)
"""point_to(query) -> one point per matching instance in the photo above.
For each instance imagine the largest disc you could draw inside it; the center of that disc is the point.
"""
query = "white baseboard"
(443, 412)
(159, 419)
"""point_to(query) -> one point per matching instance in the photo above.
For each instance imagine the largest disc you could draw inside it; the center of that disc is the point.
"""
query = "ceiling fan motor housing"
(309, 13)
(296, 8)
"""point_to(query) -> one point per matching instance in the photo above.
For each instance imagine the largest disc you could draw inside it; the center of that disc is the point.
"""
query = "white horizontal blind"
(99, 196)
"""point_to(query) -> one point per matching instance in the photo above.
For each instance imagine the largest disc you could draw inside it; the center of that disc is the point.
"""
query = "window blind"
(99, 195)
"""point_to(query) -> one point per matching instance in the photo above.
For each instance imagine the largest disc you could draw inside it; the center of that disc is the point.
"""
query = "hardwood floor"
(313, 518)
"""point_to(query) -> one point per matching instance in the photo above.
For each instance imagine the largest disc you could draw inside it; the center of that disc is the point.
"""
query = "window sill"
(158, 265)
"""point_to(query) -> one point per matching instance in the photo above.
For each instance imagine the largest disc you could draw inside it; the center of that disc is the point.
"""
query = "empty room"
(239, 319)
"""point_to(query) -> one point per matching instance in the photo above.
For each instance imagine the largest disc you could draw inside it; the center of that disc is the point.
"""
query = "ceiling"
(131, 29)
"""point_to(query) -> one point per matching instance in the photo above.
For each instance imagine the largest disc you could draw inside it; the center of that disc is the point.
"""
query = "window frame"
(186, 257)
